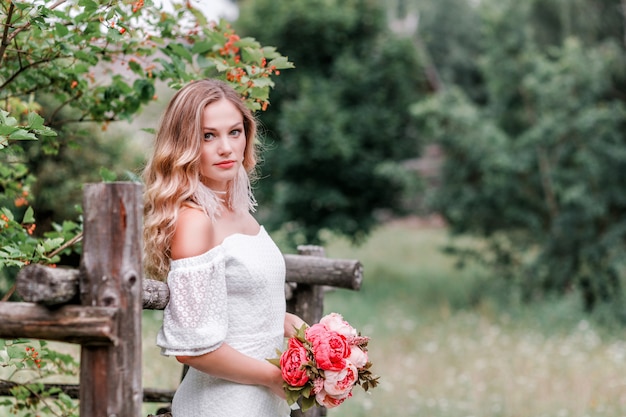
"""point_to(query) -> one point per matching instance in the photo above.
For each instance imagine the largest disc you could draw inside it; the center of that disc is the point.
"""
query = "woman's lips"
(225, 164)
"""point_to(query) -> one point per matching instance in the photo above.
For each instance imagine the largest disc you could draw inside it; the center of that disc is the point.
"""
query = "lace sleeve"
(195, 321)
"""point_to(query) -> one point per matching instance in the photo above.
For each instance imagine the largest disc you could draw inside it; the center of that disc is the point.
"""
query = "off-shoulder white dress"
(232, 294)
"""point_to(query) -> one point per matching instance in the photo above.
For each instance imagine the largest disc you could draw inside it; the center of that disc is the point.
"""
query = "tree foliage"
(537, 168)
(82, 62)
(340, 123)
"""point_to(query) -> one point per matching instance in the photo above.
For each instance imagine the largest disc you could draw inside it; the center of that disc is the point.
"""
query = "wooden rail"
(98, 306)
(59, 286)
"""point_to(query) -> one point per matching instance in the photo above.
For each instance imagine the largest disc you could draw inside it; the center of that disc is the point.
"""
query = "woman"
(226, 313)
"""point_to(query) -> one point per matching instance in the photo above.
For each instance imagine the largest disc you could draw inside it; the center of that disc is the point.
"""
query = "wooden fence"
(99, 305)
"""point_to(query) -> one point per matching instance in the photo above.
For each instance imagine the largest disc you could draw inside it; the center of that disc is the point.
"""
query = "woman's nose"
(225, 146)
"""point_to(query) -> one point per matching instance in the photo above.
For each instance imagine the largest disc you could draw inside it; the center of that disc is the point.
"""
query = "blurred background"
(472, 155)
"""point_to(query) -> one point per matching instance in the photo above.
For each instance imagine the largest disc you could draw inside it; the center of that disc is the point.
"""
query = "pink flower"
(358, 357)
(329, 401)
(335, 322)
(340, 383)
(325, 362)
(331, 350)
(315, 332)
(318, 385)
(291, 362)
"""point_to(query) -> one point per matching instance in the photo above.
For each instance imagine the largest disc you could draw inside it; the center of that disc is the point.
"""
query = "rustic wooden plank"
(37, 283)
(156, 294)
(111, 276)
(72, 324)
(53, 286)
(314, 270)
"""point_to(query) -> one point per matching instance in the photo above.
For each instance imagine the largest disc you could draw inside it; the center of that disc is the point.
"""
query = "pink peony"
(330, 401)
(315, 332)
(335, 323)
(331, 350)
(340, 383)
(324, 362)
(291, 362)
(358, 357)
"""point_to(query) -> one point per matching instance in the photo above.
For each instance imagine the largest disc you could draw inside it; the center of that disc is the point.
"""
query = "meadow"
(448, 342)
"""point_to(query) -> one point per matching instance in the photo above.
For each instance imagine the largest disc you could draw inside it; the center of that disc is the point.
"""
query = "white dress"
(232, 294)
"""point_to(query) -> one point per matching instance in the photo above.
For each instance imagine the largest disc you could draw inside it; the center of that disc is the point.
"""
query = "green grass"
(450, 343)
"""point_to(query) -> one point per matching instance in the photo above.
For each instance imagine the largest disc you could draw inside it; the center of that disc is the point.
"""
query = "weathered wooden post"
(307, 299)
(111, 276)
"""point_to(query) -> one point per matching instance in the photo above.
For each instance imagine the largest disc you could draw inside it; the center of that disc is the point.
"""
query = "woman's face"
(223, 144)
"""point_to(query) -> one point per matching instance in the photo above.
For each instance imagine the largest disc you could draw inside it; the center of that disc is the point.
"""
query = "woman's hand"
(276, 383)
(292, 324)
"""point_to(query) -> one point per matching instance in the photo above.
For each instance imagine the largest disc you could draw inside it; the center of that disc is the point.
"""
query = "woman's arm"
(292, 324)
(227, 363)
(194, 235)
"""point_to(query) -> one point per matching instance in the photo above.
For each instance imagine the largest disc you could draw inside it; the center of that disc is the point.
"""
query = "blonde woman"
(226, 313)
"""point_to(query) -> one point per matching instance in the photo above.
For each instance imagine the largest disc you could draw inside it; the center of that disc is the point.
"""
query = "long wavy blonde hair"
(172, 174)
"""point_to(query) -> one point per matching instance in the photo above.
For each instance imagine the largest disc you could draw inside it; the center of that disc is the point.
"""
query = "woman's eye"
(209, 136)
(235, 133)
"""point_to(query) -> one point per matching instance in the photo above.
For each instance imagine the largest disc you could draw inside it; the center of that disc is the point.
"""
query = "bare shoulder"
(193, 234)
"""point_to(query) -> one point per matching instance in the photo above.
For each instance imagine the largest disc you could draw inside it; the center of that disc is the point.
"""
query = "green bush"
(536, 171)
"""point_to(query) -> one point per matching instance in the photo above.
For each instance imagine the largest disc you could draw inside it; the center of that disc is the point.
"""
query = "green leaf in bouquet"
(292, 395)
(276, 361)
(366, 379)
(301, 333)
(307, 403)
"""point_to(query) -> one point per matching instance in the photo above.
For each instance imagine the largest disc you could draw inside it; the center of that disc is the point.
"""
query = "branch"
(60, 107)
(29, 91)
(67, 244)
(5, 34)
(28, 24)
(34, 394)
(84, 119)
(9, 293)
(30, 65)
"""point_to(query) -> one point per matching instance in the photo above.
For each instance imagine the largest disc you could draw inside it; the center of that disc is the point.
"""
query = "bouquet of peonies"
(324, 362)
